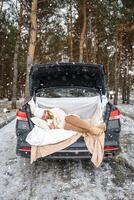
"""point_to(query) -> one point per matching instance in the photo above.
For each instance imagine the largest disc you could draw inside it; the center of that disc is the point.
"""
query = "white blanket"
(39, 136)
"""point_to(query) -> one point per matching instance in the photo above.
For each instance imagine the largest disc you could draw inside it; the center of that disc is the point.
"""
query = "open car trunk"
(67, 75)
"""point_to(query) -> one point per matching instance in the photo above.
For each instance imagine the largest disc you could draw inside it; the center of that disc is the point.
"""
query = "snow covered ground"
(126, 108)
(6, 117)
(4, 103)
(127, 139)
(66, 180)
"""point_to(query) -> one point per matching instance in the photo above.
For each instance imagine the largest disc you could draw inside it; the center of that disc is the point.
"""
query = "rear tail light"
(111, 148)
(115, 114)
(25, 149)
(21, 115)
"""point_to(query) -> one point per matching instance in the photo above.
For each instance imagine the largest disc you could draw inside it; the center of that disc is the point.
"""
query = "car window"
(67, 92)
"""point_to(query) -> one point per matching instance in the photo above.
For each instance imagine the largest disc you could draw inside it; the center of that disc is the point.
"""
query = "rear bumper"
(78, 150)
(71, 153)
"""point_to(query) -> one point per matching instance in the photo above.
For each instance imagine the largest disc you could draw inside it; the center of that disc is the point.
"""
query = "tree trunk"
(117, 67)
(116, 79)
(16, 53)
(2, 65)
(70, 29)
(32, 45)
(82, 35)
(128, 89)
(1, 7)
(118, 54)
(94, 46)
(1, 80)
(129, 76)
(107, 76)
(124, 88)
(87, 52)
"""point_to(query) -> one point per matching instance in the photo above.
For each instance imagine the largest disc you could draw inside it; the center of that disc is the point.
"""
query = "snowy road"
(66, 180)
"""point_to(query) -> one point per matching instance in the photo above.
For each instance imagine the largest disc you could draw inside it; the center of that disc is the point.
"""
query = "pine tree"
(16, 54)
(32, 44)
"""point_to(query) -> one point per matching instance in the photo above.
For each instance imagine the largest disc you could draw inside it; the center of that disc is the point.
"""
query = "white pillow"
(40, 123)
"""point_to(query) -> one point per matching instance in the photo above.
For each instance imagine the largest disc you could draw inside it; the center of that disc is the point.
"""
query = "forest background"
(49, 31)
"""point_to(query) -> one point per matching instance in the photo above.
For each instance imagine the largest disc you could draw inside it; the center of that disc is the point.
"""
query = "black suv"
(69, 80)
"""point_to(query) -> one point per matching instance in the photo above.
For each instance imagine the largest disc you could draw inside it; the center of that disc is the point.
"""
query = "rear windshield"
(67, 92)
